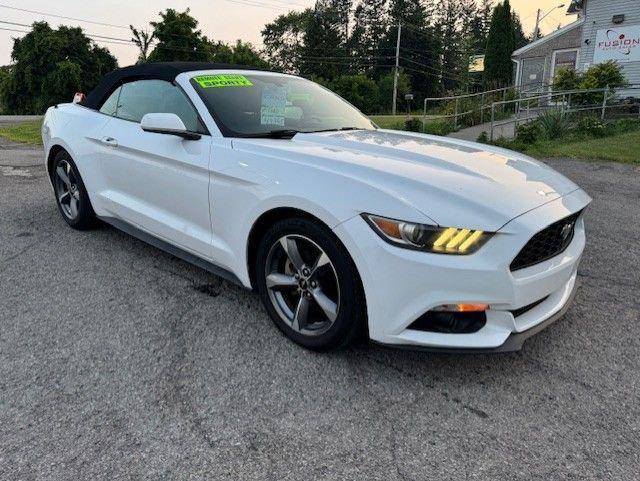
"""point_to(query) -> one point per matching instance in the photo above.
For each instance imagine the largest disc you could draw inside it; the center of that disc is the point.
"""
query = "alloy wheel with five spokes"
(71, 195)
(302, 285)
(67, 190)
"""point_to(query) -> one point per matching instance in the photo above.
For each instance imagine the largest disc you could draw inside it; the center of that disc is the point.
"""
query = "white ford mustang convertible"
(275, 183)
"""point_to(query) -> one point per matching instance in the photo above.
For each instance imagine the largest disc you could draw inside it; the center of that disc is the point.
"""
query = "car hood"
(453, 182)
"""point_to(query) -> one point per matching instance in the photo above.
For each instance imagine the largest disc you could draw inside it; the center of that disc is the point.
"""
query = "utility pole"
(395, 76)
(536, 32)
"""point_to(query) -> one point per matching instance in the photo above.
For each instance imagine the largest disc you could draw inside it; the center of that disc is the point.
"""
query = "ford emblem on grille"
(566, 230)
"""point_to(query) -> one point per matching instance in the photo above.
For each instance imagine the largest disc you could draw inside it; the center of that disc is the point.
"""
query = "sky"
(225, 20)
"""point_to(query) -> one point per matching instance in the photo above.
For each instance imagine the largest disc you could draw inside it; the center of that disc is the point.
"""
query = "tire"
(322, 272)
(71, 195)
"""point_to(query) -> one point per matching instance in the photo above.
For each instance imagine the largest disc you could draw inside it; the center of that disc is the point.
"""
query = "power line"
(63, 17)
(12, 30)
(457, 77)
(104, 37)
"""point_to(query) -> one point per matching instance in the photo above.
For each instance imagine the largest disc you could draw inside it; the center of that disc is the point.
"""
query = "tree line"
(348, 45)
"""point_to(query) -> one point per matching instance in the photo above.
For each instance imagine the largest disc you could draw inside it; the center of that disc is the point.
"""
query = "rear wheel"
(309, 285)
(71, 194)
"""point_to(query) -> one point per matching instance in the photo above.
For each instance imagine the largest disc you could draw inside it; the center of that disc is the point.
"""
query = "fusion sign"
(618, 43)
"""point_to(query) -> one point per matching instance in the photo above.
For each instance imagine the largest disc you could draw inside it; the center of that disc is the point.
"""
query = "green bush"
(413, 124)
(607, 74)
(438, 127)
(529, 133)
(621, 126)
(385, 88)
(566, 79)
(591, 125)
(553, 124)
(483, 138)
(359, 90)
(600, 76)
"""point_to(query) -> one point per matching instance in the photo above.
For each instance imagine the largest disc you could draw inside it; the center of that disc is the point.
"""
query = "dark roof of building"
(158, 70)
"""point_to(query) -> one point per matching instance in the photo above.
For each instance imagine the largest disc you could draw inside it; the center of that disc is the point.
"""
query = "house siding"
(568, 40)
(598, 15)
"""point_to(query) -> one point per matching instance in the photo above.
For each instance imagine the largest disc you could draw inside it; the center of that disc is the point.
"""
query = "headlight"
(439, 240)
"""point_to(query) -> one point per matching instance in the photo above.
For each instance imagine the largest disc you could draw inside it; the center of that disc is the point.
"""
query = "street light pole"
(395, 75)
(536, 32)
(539, 19)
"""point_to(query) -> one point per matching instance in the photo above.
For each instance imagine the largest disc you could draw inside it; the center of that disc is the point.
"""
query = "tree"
(323, 53)
(283, 39)
(242, 53)
(367, 35)
(419, 46)
(49, 66)
(360, 90)
(498, 67)
(178, 39)
(143, 40)
(521, 38)
(452, 25)
(342, 10)
(385, 87)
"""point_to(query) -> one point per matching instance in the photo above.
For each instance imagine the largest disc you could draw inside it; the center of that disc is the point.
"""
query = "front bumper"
(401, 285)
(513, 343)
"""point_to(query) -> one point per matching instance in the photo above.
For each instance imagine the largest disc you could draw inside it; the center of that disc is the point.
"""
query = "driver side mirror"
(169, 124)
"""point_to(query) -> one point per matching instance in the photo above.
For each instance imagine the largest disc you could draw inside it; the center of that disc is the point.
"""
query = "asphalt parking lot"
(118, 361)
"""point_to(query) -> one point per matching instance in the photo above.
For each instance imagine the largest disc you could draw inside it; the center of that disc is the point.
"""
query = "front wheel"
(309, 285)
(71, 195)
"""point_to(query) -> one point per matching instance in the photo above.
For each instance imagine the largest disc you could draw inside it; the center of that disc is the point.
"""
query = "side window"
(156, 96)
(110, 106)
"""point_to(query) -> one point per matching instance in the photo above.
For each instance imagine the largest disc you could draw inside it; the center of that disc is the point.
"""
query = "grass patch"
(413, 123)
(618, 148)
(392, 122)
(25, 132)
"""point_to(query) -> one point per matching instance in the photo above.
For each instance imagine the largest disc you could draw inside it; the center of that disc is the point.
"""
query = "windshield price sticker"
(223, 80)
(274, 103)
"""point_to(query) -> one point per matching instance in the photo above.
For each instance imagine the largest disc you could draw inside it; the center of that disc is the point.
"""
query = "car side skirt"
(172, 249)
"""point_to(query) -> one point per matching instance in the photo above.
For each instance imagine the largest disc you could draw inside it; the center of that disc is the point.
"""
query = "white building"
(605, 30)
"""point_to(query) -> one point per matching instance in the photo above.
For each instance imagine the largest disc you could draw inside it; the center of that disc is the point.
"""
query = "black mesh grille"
(547, 243)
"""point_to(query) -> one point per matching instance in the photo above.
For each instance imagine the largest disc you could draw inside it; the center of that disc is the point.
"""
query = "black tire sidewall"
(85, 217)
(351, 315)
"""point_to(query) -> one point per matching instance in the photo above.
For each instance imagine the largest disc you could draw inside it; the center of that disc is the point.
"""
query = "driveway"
(118, 361)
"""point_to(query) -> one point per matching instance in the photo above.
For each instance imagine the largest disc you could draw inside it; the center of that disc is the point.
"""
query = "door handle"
(110, 141)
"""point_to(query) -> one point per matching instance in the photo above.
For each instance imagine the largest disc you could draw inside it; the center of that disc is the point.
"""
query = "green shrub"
(438, 127)
(591, 125)
(359, 90)
(566, 79)
(621, 126)
(413, 124)
(483, 138)
(553, 124)
(470, 106)
(529, 132)
(607, 74)
(600, 76)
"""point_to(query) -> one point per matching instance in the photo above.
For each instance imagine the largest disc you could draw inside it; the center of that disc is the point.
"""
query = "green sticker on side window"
(222, 80)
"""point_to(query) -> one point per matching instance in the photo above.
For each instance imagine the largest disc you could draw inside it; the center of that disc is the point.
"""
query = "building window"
(532, 73)
(564, 59)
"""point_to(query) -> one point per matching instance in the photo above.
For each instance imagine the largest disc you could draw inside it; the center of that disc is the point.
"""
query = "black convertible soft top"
(160, 70)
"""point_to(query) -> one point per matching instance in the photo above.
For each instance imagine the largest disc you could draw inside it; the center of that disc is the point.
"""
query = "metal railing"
(562, 101)
(457, 114)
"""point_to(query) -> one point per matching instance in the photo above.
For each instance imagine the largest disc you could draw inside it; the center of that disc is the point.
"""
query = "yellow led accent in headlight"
(444, 237)
(461, 236)
(470, 241)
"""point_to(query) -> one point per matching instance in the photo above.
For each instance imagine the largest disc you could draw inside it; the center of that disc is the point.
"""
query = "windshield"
(267, 105)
